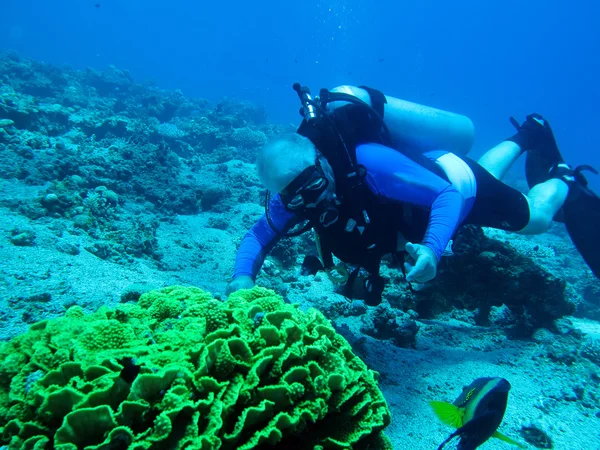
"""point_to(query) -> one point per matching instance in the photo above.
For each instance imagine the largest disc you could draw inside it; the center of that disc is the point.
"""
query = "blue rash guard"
(390, 175)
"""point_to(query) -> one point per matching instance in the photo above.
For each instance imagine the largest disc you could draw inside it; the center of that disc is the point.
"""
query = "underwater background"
(128, 134)
(487, 60)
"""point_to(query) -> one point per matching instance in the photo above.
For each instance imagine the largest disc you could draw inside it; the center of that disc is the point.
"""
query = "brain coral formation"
(179, 369)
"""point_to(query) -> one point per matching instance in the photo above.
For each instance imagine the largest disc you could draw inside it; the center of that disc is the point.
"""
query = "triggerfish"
(476, 413)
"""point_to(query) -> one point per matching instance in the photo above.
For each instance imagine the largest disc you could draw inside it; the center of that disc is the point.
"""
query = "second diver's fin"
(582, 219)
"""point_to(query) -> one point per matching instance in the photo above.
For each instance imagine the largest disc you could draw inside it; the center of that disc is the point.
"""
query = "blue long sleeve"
(261, 238)
(398, 178)
(444, 218)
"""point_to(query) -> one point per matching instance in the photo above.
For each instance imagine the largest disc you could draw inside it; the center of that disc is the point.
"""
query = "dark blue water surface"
(486, 59)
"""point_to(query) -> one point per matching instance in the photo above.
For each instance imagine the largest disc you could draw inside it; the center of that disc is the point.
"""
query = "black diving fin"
(539, 162)
(582, 218)
(535, 136)
(581, 211)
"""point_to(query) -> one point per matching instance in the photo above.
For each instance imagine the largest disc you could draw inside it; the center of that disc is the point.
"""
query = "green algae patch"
(180, 369)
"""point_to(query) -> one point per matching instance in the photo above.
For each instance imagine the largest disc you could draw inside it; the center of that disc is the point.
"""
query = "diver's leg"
(497, 205)
(534, 135)
(544, 200)
(499, 159)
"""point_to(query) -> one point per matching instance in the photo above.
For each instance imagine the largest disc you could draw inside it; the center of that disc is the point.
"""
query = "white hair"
(283, 158)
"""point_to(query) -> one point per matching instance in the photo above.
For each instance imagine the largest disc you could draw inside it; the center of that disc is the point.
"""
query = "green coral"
(250, 372)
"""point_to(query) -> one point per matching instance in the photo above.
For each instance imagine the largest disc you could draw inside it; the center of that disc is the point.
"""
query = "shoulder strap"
(378, 99)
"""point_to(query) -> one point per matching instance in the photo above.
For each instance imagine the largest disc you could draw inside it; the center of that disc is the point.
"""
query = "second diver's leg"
(499, 159)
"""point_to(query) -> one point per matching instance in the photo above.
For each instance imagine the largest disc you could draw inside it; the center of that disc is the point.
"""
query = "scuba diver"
(374, 175)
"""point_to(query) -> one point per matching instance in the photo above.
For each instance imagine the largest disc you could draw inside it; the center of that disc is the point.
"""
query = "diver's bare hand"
(240, 282)
(425, 266)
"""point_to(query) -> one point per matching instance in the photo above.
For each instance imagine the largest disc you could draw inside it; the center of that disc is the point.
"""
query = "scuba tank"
(417, 126)
(431, 137)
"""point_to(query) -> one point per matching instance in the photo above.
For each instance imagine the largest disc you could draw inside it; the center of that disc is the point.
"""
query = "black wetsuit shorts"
(497, 205)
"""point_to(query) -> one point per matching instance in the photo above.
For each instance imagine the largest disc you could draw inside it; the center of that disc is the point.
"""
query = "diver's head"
(291, 166)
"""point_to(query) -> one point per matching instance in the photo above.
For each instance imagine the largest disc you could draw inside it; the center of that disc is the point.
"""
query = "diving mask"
(307, 190)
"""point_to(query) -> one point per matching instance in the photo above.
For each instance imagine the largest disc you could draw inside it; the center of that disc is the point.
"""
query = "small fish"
(381, 60)
(130, 369)
(296, 60)
(311, 265)
(97, 5)
(476, 413)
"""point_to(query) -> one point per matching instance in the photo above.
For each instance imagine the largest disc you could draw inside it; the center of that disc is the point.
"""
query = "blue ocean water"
(488, 60)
